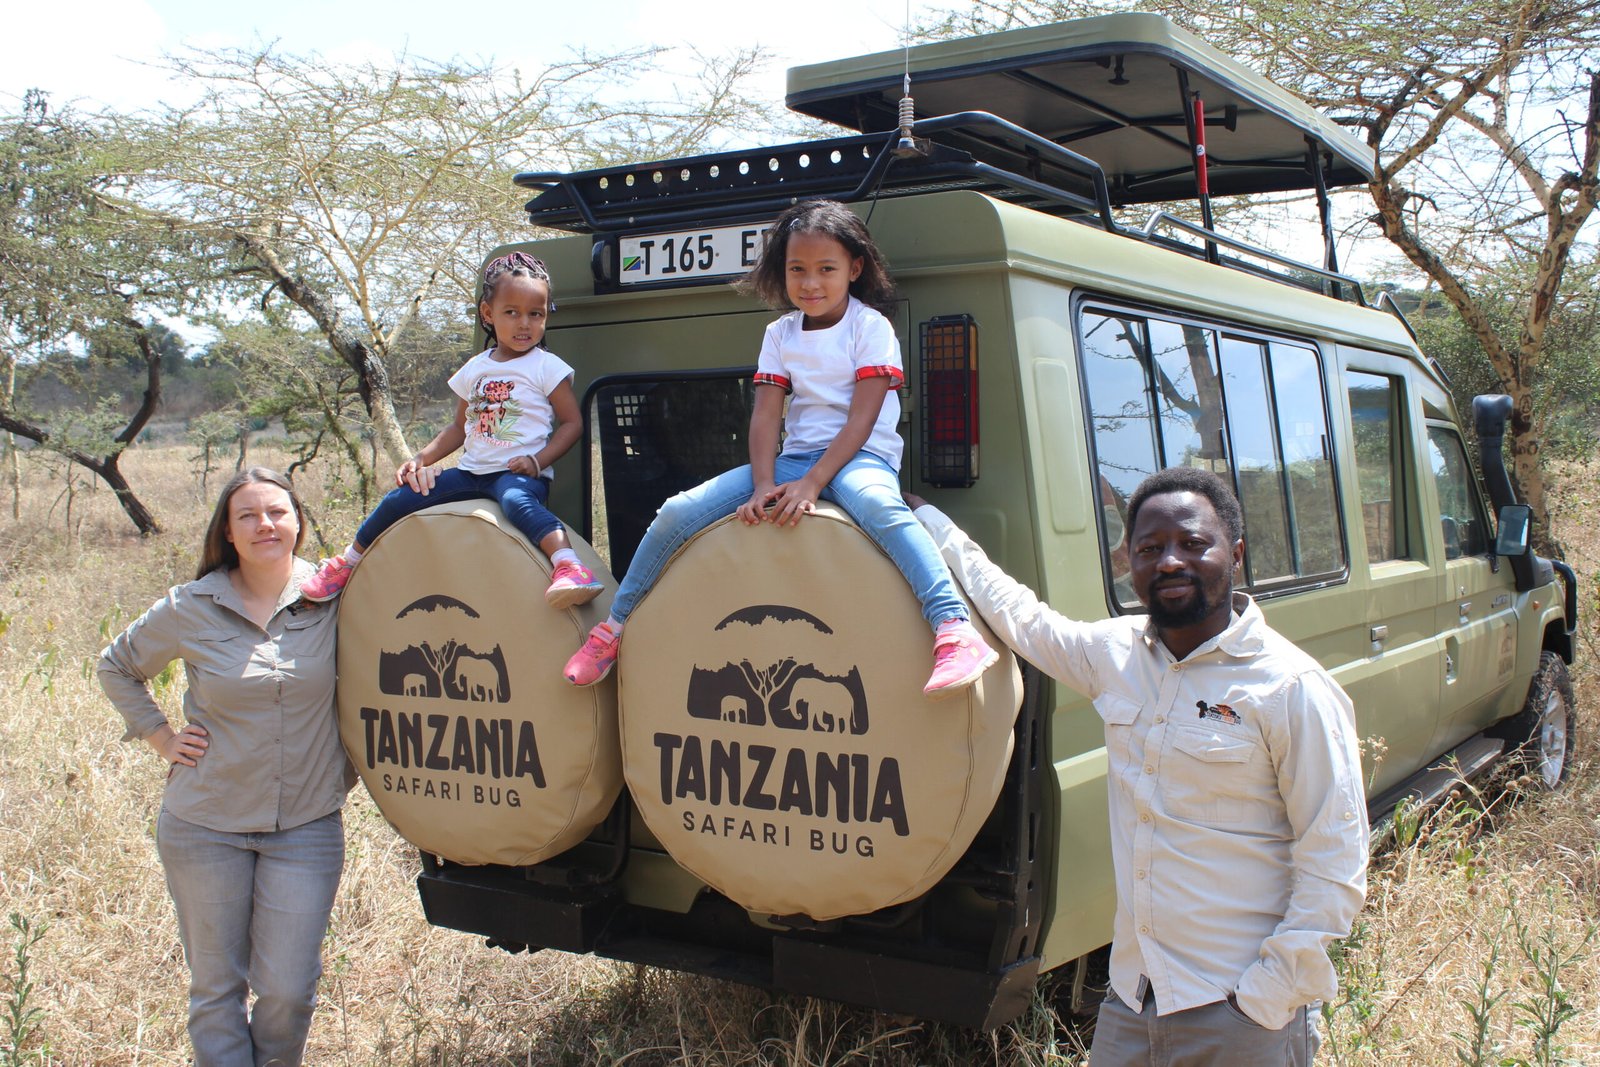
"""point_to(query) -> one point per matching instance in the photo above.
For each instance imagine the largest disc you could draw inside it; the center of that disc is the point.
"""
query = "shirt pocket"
(1210, 775)
(220, 652)
(1119, 713)
(306, 647)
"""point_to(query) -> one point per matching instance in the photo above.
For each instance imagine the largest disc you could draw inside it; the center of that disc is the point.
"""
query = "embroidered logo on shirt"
(1219, 712)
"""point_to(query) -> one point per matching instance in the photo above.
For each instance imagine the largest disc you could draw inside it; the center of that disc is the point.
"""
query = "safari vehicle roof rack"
(1132, 95)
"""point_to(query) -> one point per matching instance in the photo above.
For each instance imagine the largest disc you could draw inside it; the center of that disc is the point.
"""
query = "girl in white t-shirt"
(516, 414)
(837, 358)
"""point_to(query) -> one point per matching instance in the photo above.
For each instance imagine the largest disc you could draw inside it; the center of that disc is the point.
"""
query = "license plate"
(664, 257)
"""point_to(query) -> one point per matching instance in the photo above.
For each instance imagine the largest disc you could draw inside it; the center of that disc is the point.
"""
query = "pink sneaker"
(960, 656)
(329, 581)
(595, 659)
(572, 583)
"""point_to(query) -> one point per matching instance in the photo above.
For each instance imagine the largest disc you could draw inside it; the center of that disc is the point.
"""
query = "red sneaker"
(572, 583)
(595, 659)
(329, 581)
(960, 656)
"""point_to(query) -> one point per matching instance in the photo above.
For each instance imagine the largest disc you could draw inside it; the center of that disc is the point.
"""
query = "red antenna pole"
(1201, 181)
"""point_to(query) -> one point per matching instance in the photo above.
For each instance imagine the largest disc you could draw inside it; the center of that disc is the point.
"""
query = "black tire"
(1539, 737)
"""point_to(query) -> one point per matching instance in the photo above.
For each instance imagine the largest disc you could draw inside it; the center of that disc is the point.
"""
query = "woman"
(250, 831)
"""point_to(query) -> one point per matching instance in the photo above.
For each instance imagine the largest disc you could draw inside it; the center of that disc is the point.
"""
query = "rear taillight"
(949, 401)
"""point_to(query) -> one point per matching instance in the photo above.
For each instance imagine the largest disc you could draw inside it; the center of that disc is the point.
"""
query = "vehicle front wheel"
(1540, 736)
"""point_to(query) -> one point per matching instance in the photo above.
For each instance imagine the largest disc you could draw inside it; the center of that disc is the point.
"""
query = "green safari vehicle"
(1055, 355)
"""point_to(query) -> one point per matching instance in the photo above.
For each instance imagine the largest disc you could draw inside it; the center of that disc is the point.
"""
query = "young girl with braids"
(516, 414)
(836, 359)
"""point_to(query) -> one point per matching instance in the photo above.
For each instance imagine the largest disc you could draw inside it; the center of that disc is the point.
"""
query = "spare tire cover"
(451, 701)
(774, 732)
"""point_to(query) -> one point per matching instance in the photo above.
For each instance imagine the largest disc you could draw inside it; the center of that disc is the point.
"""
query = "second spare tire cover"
(451, 701)
(775, 736)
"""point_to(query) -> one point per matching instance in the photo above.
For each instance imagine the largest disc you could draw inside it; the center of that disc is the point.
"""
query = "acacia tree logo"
(763, 681)
(441, 660)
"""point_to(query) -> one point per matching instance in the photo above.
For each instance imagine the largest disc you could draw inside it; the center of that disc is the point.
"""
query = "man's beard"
(1202, 602)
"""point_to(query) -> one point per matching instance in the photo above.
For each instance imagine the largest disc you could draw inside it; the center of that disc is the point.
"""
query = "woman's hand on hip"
(182, 746)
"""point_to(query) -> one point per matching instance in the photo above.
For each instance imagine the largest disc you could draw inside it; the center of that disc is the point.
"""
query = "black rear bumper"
(965, 953)
(716, 938)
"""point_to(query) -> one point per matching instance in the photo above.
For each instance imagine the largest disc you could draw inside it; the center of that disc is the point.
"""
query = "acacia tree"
(1485, 118)
(79, 267)
(367, 196)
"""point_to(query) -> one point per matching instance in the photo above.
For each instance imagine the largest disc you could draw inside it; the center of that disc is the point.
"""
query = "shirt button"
(1160, 719)
(1144, 929)
(1141, 876)
(1144, 816)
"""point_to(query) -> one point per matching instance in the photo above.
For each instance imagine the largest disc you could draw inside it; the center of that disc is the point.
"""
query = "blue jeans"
(867, 488)
(522, 499)
(252, 912)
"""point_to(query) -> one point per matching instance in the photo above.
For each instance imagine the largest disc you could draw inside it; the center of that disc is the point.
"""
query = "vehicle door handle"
(1464, 612)
(1379, 635)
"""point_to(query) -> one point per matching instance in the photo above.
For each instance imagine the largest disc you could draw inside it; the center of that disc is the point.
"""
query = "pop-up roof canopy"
(1110, 88)
(1073, 119)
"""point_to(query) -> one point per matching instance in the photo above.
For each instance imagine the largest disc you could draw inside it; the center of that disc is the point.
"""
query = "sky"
(111, 51)
(108, 53)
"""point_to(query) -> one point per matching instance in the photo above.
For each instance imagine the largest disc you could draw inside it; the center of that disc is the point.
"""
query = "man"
(1238, 820)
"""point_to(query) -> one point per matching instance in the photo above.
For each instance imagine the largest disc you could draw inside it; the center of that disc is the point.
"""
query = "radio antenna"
(907, 145)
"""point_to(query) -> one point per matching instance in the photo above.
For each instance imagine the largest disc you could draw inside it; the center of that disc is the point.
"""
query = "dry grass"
(76, 853)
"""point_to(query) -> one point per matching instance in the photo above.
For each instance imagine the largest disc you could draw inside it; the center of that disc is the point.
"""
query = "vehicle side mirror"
(1514, 522)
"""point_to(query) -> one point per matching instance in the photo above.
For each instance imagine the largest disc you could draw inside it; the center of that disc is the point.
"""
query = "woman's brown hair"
(217, 550)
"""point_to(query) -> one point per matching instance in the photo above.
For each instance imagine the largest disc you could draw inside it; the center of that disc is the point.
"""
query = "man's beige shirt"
(265, 697)
(1238, 819)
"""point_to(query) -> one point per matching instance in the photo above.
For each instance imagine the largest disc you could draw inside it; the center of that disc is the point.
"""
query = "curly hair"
(513, 265)
(1191, 480)
(767, 279)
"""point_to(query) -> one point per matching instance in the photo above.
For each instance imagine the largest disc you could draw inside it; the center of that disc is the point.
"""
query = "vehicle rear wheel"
(1540, 736)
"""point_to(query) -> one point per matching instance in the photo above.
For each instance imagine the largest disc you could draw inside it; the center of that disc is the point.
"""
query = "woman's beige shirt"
(265, 697)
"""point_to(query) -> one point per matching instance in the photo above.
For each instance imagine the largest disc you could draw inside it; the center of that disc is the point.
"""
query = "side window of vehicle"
(1307, 459)
(1260, 481)
(1124, 427)
(1163, 392)
(1461, 515)
(1183, 364)
(1375, 405)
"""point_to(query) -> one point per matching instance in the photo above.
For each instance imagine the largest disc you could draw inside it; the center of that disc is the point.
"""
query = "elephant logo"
(441, 660)
(761, 683)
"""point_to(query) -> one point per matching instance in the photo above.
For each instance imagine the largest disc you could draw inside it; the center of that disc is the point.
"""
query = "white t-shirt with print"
(509, 412)
(820, 368)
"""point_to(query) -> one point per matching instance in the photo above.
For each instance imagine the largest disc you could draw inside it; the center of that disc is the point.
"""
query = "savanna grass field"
(1477, 945)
